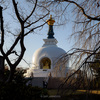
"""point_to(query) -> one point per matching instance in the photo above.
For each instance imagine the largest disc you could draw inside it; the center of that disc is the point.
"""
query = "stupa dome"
(49, 51)
(44, 58)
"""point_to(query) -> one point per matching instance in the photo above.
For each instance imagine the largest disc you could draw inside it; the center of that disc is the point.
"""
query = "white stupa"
(43, 61)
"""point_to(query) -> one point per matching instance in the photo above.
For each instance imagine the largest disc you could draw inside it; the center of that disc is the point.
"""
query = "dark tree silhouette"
(26, 23)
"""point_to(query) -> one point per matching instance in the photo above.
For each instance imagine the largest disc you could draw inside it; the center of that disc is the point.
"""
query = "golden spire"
(50, 21)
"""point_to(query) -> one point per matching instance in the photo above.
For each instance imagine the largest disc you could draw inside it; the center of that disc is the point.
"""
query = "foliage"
(13, 91)
(17, 89)
(95, 65)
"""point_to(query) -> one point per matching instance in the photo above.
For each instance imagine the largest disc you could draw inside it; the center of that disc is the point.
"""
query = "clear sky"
(35, 40)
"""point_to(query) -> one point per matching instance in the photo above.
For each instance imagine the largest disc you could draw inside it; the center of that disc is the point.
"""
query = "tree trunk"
(1, 68)
(11, 75)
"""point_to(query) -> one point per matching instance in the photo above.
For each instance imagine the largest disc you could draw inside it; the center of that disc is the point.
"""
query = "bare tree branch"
(36, 21)
(16, 11)
(2, 29)
(34, 28)
(31, 12)
(83, 11)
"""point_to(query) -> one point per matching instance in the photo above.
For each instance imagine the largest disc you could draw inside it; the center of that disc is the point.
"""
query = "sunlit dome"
(50, 51)
(43, 61)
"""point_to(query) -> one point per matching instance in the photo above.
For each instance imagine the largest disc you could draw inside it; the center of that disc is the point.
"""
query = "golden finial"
(50, 16)
(50, 21)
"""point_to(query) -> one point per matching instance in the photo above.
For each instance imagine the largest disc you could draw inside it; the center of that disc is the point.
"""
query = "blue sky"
(35, 40)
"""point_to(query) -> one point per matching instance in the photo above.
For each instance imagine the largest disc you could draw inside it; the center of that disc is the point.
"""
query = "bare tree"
(86, 17)
(27, 23)
(86, 25)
